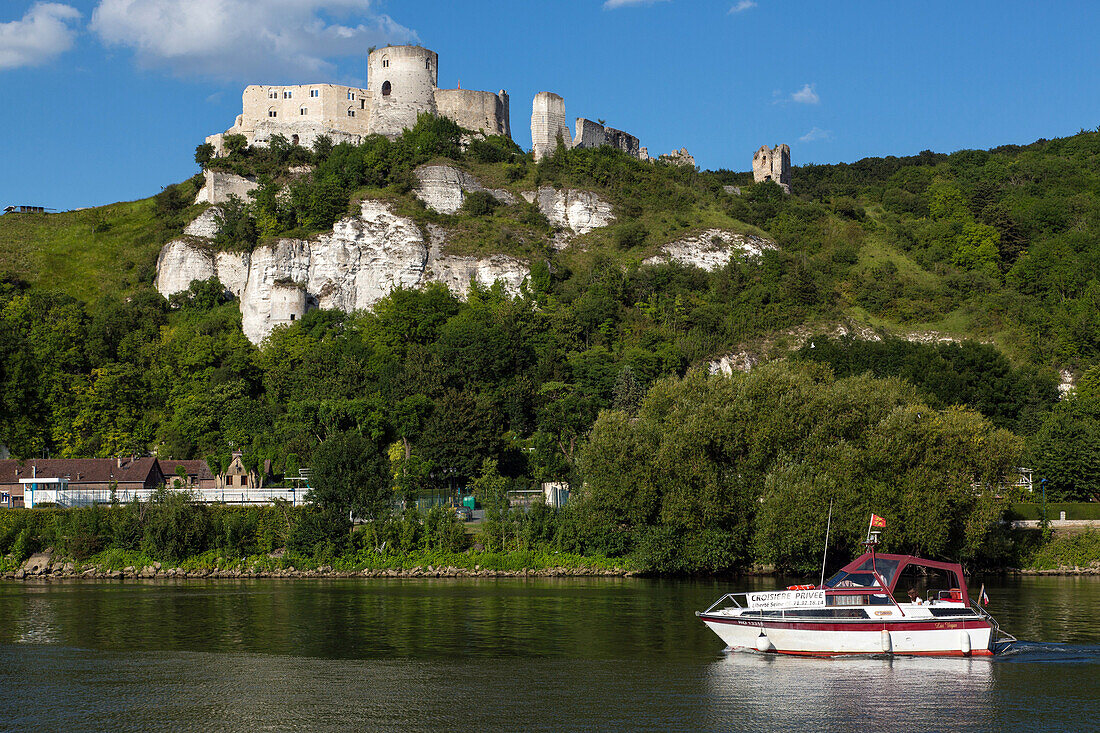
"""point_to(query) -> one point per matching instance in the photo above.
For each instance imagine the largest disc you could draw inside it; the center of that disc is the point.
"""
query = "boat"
(857, 612)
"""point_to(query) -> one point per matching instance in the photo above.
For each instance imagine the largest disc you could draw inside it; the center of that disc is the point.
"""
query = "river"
(504, 654)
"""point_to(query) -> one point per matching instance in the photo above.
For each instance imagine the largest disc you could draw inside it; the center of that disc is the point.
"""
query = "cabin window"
(386, 89)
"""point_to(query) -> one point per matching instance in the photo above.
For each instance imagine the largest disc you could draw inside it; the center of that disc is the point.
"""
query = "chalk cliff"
(352, 267)
(711, 249)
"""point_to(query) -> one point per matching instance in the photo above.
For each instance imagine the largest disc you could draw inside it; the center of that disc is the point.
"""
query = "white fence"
(239, 495)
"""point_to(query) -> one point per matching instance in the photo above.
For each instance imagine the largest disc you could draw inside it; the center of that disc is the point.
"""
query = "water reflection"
(779, 692)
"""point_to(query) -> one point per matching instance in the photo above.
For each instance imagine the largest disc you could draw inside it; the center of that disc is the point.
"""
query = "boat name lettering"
(787, 599)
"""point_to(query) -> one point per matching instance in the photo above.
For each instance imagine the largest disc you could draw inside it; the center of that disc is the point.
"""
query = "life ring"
(801, 587)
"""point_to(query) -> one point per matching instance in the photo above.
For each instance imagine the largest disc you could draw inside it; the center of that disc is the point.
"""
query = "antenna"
(825, 552)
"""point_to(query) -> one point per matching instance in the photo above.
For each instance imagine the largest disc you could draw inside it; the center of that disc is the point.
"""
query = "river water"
(506, 654)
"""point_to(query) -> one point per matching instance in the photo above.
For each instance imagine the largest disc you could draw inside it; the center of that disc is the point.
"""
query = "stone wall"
(548, 124)
(592, 135)
(478, 111)
(219, 185)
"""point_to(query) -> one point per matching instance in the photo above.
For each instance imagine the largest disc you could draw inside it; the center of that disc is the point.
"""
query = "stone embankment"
(41, 566)
(69, 571)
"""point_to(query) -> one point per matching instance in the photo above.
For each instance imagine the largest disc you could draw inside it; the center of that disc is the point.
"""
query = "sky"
(107, 99)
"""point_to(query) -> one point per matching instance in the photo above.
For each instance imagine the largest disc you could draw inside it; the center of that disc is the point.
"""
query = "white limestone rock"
(358, 263)
(443, 188)
(740, 361)
(711, 249)
(578, 211)
(205, 224)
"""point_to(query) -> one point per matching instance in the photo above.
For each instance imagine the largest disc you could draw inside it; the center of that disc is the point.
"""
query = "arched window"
(303, 111)
(428, 64)
(351, 112)
(273, 94)
(386, 89)
(271, 112)
(385, 63)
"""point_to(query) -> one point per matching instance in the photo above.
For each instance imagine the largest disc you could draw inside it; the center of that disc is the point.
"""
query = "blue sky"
(107, 99)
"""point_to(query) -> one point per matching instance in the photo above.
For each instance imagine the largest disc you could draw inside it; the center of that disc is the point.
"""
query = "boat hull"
(970, 637)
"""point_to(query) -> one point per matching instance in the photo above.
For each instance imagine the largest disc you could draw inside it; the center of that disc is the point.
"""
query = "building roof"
(83, 470)
(198, 468)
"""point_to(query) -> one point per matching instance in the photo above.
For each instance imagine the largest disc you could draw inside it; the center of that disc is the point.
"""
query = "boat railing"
(1000, 636)
(729, 597)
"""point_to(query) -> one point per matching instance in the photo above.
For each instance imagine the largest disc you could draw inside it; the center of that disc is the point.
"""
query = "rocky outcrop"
(219, 185)
(443, 188)
(359, 262)
(711, 249)
(577, 211)
(205, 225)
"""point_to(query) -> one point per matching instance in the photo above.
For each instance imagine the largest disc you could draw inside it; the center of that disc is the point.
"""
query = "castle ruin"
(548, 128)
(402, 82)
(773, 165)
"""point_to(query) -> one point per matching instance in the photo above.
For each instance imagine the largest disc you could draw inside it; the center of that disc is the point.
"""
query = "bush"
(479, 203)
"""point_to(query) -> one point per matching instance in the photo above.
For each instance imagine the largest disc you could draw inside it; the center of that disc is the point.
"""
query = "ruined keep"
(548, 126)
(401, 83)
(773, 165)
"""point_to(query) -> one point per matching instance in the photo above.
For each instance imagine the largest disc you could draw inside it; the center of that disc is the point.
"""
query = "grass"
(87, 253)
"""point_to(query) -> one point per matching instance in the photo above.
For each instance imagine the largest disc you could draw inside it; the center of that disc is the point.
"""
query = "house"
(80, 480)
(192, 475)
(237, 476)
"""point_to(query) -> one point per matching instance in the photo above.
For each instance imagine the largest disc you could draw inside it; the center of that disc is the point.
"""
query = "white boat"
(856, 612)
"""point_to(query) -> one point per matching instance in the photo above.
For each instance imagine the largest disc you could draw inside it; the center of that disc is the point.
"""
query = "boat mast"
(825, 552)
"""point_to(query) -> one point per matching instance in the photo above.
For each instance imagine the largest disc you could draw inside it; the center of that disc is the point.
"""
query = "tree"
(491, 489)
(350, 474)
(204, 154)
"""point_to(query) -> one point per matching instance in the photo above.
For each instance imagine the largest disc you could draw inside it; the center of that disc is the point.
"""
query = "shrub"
(479, 203)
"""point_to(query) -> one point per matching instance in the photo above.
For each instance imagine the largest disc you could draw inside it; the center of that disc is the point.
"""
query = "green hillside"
(997, 249)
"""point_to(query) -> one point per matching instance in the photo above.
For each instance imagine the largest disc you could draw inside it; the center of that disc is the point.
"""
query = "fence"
(241, 496)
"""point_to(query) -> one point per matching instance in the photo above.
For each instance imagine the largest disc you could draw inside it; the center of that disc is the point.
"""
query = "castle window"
(351, 95)
(314, 92)
(288, 94)
(428, 64)
(385, 63)
(272, 113)
(362, 104)
(303, 111)
(386, 89)
(351, 112)
(294, 140)
(273, 94)
(292, 316)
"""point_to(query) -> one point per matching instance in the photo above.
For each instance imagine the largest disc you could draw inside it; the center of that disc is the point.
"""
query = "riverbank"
(115, 564)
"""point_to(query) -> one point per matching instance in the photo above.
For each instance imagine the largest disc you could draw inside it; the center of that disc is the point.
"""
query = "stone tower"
(548, 124)
(402, 83)
(773, 165)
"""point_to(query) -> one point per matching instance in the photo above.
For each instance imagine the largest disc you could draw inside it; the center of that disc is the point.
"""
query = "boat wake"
(1037, 652)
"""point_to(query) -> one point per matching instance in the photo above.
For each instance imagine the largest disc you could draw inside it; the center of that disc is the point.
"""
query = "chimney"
(118, 462)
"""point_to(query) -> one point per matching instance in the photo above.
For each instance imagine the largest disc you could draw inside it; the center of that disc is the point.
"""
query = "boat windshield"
(862, 577)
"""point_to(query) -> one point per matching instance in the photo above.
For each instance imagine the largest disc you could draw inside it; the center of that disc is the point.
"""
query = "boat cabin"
(892, 576)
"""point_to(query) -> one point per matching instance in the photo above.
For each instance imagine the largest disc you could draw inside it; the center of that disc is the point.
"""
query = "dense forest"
(596, 373)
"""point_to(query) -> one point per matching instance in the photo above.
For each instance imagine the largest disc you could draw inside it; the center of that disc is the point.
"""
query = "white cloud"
(251, 40)
(742, 6)
(806, 95)
(45, 31)
(612, 4)
(816, 134)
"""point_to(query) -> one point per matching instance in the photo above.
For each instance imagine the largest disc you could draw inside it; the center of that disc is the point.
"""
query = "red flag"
(877, 521)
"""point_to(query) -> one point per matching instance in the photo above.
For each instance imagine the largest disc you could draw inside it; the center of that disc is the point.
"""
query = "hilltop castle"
(773, 165)
(401, 83)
